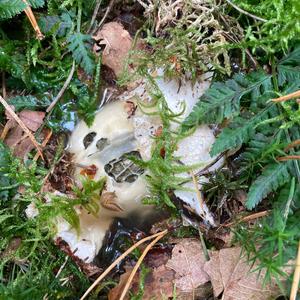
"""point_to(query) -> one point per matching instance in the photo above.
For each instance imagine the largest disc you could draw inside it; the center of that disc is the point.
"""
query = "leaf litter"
(188, 271)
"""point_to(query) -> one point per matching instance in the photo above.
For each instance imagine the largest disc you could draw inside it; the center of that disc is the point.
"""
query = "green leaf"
(222, 100)
(29, 102)
(60, 25)
(241, 131)
(272, 177)
(80, 48)
(289, 68)
(10, 8)
(36, 3)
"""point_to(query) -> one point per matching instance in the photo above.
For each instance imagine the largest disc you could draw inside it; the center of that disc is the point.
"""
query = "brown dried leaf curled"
(109, 201)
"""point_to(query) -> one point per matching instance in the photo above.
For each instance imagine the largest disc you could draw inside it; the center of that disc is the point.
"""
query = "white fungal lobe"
(120, 129)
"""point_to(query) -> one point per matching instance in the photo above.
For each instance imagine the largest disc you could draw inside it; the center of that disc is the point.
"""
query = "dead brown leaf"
(231, 274)
(16, 138)
(117, 43)
(158, 284)
(187, 261)
(32, 119)
(109, 200)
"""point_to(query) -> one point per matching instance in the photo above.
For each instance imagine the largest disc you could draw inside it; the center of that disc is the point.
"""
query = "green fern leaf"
(273, 177)
(36, 3)
(10, 8)
(29, 102)
(289, 68)
(79, 46)
(222, 100)
(60, 25)
(240, 132)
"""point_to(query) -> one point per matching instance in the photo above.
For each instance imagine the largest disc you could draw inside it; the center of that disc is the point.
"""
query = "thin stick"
(287, 97)
(109, 7)
(45, 142)
(296, 278)
(62, 266)
(22, 125)
(245, 12)
(288, 157)
(3, 85)
(200, 199)
(119, 259)
(97, 7)
(292, 145)
(137, 265)
(249, 218)
(64, 87)
(33, 21)
(5, 131)
(199, 196)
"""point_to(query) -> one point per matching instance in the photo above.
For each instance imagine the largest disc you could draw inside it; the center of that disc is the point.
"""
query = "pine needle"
(119, 259)
(33, 21)
(288, 157)
(295, 284)
(249, 218)
(287, 97)
(45, 142)
(22, 125)
(140, 260)
(292, 145)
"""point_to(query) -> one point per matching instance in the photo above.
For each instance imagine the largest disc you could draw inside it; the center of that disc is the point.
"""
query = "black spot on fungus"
(88, 139)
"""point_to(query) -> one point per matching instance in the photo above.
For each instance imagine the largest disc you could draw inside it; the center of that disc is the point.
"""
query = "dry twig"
(295, 284)
(288, 157)
(292, 145)
(45, 142)
(64, 87)
(119, 259)
(33, 21)
(287, 97)
(97, 7)
(245, 12)
(249, 218)
(108, 9)
(22, 125)
(140, 260)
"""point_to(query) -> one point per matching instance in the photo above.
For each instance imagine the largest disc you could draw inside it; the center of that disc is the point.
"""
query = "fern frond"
(79, 46)
(29, 102)
(272, 177)
(60, 25)
(257, 149)
(289, 68)
(10, 8)
(222, 100)
(36, 3)
(240, 132)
